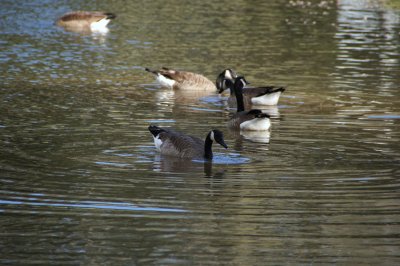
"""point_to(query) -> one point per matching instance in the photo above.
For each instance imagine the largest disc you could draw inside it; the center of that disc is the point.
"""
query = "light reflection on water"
(85, 205)
(82, 183)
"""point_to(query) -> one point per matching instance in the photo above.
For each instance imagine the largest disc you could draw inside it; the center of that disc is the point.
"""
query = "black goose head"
(227, 74)
(218, 136)
(155, 130)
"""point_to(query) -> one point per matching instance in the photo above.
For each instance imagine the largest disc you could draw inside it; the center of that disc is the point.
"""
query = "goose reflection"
(171, 164)
(253, 136)
(180, 96)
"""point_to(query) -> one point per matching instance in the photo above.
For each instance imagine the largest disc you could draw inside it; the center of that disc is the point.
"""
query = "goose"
(174, 143)
(268, 95)
(94, 21)
(182, 80)
(254, 119)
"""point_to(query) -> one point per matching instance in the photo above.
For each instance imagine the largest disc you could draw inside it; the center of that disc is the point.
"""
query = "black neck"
(232, 90)
(207, 148)
(238, 88)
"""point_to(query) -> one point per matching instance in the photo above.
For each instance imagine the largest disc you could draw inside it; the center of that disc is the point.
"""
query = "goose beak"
(222, 143)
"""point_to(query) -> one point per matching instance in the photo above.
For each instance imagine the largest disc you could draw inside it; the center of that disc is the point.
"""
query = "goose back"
(170, 142)
(85, 20)
(239, 117)
(268, 95)
(182, 80)
(173, 143)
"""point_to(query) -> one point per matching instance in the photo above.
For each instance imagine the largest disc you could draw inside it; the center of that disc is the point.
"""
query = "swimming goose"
(94, 21)
(268, 95)
(170, 142)
(254, 119)
(182, 80)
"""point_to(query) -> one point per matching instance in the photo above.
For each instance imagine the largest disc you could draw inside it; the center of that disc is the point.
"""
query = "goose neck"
(239, 97)
(207, 147)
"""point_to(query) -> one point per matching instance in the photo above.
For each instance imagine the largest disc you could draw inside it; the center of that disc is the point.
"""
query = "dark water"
(81, 182)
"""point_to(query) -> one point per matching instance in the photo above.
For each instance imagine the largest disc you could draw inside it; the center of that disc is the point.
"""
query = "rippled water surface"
(81, 181)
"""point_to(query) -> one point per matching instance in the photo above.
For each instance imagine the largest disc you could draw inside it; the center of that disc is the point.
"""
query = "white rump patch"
(256, 124)
(157, 142)
(165, 82)
(267, 99)
(100, 26)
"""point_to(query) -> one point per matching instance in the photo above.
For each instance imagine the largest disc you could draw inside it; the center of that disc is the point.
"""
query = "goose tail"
(281, 89)
(110, 15)
(263, 115)
(151, 71)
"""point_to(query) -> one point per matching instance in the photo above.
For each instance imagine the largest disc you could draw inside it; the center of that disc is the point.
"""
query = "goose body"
(174, 143)
(182, 80)
(268, 95)
(86, 21)
(252, 120)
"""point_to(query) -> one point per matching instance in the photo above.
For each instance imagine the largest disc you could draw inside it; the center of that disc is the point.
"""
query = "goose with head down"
(268, 95)
(182, 80)
(86, 21)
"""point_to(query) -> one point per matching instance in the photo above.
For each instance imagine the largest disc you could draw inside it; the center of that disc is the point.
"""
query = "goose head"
(213, 135)
(218, 136)
(227, 74)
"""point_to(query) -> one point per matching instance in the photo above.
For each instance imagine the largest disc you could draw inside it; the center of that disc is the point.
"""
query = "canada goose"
(268, 95)
(182, 80)
(86, 21)
(253, 119)
(170, 142)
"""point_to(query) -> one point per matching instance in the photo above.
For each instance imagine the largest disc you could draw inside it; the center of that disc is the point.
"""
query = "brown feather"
(82, 19)
(181, 145)
(187, 80)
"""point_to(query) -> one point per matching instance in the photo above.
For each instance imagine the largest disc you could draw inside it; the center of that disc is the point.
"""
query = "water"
(81, 182)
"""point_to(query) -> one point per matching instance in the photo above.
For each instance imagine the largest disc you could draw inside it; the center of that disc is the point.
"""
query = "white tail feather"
(267, 99)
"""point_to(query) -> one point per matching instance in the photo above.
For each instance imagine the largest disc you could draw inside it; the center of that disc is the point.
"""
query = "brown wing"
(178, 144)
(185, 80)
(87, 16)
(259, 91)
(241, 117)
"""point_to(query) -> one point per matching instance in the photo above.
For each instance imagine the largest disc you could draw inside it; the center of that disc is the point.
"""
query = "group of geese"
(174, 143)
(178, 144)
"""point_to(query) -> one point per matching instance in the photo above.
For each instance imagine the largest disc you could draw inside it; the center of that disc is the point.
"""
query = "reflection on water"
(81, 182)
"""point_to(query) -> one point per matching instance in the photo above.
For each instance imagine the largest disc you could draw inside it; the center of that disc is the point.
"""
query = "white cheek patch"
(158, 142)
(165, 82)
(212, 136)
(228, 75)
(100, 26)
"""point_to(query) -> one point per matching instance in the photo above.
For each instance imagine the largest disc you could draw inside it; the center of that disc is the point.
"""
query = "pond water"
(81, 181)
